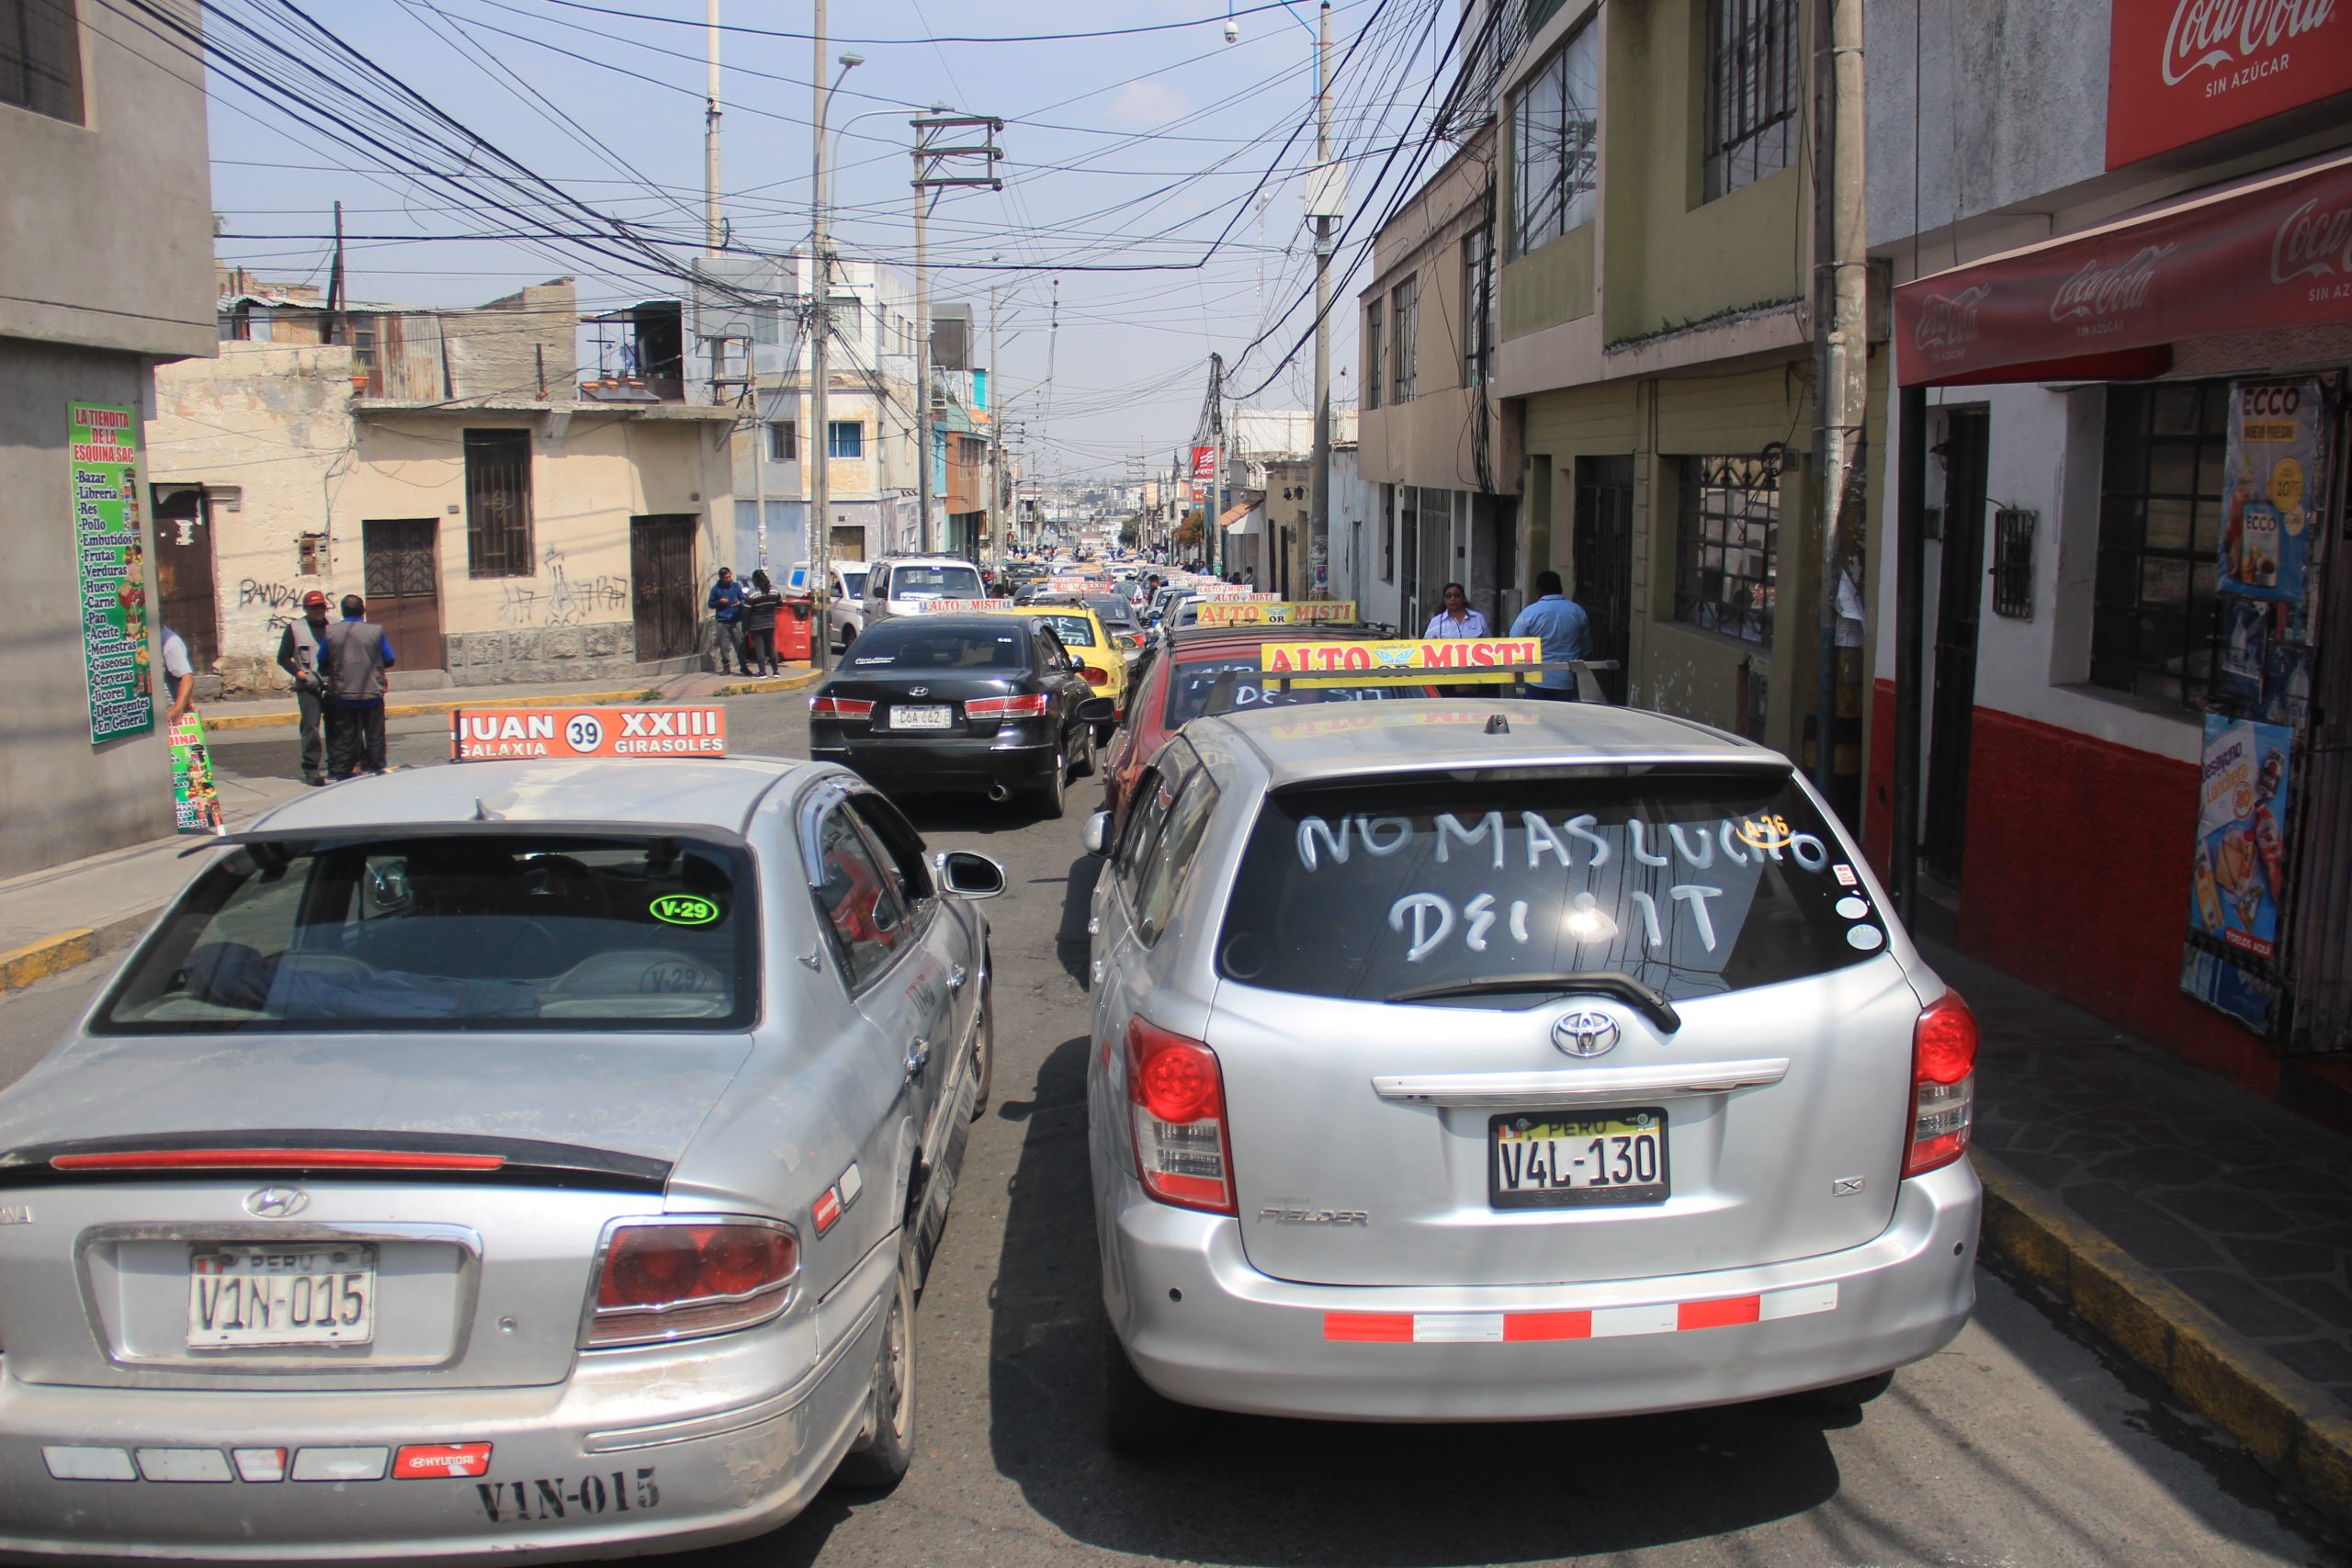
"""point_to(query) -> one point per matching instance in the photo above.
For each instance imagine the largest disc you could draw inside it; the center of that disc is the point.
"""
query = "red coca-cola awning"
(2108, 303)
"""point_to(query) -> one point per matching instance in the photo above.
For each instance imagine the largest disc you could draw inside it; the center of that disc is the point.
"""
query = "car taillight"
(1095, 677)
(1030, 706)
(675, 1279)
(1943, 1083)
(1176, 1113)
(838, 708)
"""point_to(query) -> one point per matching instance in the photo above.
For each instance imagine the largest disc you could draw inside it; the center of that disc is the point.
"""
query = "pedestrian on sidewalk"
(1457, 619)
(359, 657)
(727, 618)
(1567, 632)
(298, 654)
(760, 608)
(182, 676)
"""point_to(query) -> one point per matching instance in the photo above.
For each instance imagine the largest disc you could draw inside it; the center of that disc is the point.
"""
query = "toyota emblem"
(1586, 1033)
(277, 1202)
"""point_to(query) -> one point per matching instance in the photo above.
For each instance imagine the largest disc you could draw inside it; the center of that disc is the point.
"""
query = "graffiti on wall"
(562, 600)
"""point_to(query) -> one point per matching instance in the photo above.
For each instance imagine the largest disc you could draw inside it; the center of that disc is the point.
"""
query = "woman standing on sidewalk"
(760, 608)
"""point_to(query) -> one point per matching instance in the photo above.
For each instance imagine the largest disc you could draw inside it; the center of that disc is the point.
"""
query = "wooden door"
(1603, 561)
(662, 584)
(401, 583)
(184, 581)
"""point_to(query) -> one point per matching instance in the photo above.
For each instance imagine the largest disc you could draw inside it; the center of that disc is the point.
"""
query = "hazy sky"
(1122, 151)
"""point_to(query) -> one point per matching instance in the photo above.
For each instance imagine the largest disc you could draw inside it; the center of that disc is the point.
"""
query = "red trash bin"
(792, 623)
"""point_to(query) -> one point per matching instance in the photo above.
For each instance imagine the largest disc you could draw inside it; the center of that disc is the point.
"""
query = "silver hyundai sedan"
(517, 1157)
(1505, 1060)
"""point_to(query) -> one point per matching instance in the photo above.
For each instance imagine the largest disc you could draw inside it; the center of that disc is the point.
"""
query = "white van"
(901, 586)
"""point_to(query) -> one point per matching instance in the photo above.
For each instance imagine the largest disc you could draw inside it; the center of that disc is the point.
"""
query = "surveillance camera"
(1232, 30)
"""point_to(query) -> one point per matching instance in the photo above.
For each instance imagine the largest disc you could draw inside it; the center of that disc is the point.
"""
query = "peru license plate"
(1560, 1160)
(240, 1296)
(933, 717)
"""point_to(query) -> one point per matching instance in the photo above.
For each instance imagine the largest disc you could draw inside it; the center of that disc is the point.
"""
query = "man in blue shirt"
(1566, 633)
(356, 657)
(727, 613)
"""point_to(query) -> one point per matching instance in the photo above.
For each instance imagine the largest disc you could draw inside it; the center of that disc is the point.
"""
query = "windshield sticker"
(1677, 913)
(685, 909)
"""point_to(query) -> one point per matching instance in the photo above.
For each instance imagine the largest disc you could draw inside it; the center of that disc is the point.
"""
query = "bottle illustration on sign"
(2208, 896)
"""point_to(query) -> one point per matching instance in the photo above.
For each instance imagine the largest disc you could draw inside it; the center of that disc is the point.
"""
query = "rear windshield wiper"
(1649, 1000)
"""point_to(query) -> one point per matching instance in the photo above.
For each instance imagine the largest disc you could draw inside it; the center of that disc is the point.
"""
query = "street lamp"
(821, 533)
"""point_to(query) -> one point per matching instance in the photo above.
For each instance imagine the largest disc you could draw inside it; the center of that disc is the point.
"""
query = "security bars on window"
(1556, 126)
(1728, 541)
(1753, 79)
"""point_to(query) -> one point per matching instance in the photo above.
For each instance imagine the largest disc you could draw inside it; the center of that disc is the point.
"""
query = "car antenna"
(484, 813)
(1498, 724)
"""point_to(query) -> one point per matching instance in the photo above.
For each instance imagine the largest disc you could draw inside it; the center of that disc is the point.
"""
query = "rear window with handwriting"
(1691, 883)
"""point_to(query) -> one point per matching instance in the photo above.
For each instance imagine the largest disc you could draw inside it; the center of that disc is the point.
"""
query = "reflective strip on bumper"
(1598, 1323)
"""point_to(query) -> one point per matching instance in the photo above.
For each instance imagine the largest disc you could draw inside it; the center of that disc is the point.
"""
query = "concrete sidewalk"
(274, 712)
(2205, 1232)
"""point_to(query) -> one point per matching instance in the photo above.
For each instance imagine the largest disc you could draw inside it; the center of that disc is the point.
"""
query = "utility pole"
(1325, 197)
(818, 449)
(1840, 328)
(1213, 507)
(996, 437)
(713, 227)
(335, 323)
(929, 155)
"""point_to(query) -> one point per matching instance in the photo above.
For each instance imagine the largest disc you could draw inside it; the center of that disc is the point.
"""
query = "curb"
(566, 699)
(2294, 1430)
(22, 967)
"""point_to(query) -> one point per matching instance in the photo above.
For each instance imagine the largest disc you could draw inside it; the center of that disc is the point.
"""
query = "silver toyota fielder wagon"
(1502, 1060)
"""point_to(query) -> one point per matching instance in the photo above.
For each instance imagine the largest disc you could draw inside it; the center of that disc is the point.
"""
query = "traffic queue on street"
(1453, 1056)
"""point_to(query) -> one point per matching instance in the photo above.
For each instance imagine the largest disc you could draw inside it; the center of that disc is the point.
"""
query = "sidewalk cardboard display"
(195, 798)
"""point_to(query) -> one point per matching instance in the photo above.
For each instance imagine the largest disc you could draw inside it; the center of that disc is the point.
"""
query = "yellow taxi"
(1099, 659)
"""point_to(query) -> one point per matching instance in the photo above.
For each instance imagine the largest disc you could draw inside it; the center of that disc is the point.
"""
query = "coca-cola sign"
(2315, 240)
(2179, 71)
(2099, 291)
(2273, 256)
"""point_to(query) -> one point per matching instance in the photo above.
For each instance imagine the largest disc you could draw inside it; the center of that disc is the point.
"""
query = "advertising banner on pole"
(104, 468)
(1203, 468)
(196, 799)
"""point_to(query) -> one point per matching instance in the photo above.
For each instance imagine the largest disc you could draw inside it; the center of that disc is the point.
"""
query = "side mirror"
(1098, 833)
(1098, 710)
(969, 876)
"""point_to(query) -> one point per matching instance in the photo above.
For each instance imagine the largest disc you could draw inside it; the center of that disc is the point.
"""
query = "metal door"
(1409, 561)
(1960, 606)
(662, 585)
(1602, 561)
(184, 581)
(401, 581)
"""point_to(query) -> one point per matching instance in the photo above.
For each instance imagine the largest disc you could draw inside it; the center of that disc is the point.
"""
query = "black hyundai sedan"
(942, 703)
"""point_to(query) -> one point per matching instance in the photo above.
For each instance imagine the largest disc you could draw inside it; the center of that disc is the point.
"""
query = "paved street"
(2018, 1444)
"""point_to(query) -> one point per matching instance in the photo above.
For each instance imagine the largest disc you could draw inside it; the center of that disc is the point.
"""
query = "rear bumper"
(1205, 1328)
(656, 1449)
(946, 761)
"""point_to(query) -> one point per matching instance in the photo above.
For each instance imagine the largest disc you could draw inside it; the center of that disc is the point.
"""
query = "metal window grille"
(2163, 489)
(1555, 131)
(784, 441)
(1375, 373)
(498, 503)
(1753, 77)
(1478, 301)
(40, 58)
(1727, 546)
(1402, 309)
(2013, 562)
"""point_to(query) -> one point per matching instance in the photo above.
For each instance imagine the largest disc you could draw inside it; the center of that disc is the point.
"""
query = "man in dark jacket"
(726, 619)
(298, 654)
(359, 657)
